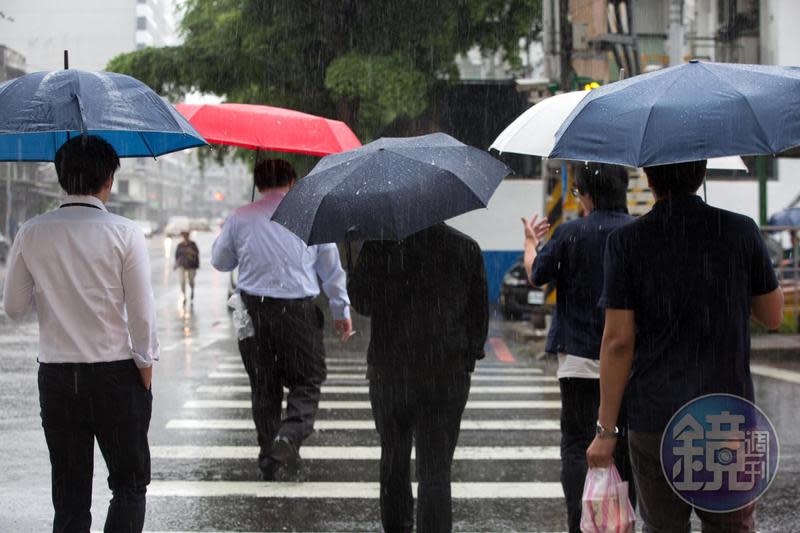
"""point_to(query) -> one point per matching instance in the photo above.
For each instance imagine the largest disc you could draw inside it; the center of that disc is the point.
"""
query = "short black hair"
(606, 184)
(271, 173)
(85, 163)
(676, 179)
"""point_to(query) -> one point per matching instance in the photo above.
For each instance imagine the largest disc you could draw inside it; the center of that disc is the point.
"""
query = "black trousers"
(429, 410)
(580, 400)
(662, 511)
(287, 351)
(104, 401)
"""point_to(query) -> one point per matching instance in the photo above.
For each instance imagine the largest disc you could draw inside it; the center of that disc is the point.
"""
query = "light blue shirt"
(275, 262)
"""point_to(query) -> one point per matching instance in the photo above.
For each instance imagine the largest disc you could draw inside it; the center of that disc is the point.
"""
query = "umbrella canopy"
(40, 111)
(389, 189)
(269, 128)
(787, 217)
(685, 113)
(534, 131)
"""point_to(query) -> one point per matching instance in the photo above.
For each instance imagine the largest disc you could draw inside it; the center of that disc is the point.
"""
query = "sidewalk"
(766, 347)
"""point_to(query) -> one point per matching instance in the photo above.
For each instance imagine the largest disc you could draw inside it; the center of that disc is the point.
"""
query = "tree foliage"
(363, 61)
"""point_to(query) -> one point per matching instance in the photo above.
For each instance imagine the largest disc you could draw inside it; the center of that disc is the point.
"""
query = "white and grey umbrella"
(533, 132)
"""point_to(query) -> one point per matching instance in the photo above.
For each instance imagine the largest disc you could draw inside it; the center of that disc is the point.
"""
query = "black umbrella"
(389, 189)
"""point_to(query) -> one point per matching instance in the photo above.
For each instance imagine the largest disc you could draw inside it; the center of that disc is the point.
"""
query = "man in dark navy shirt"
(572, 260)
(680, 286)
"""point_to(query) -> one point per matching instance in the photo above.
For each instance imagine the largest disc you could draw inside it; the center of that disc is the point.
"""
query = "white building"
(94, 31)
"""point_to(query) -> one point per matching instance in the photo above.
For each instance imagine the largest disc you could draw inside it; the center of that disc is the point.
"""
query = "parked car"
(147, 227)
(177, 225)
(199, 224)
(518, 298)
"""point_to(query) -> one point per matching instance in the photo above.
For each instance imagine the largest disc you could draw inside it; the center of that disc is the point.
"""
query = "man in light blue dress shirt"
(279, 277)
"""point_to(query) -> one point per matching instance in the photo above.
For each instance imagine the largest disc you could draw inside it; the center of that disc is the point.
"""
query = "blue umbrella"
(685, 113)
(787, 217)
(389, 189)
(40, 111)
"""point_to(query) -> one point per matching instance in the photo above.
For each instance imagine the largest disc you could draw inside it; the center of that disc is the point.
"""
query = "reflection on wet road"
(506, 468)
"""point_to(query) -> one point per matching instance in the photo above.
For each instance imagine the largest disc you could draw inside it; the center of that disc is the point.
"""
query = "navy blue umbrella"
(685, 113)
(40, 111)
(787, 217)
(389, 189)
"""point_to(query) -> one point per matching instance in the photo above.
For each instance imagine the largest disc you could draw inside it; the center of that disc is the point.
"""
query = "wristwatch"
(604, 433)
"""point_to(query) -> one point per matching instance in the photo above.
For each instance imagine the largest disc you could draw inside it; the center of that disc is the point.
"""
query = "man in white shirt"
(278, 282)
(86, 274)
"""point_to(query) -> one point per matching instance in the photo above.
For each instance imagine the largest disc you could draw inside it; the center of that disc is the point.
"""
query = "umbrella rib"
(749, 106)
(650, 114)
(147, 144)
(441, 168)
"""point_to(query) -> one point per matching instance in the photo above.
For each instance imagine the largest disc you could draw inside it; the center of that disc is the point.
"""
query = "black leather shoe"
(267, 468)
(287, 461)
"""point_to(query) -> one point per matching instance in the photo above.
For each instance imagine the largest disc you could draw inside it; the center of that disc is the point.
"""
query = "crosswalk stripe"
(776, 373)
(361, 362)
(364, 389)
(356, 453)
(353, 368)
(362, 377)
(346, 490)
(333, 425)
(355, 404)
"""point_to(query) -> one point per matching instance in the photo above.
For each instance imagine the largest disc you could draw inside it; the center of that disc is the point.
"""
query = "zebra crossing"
(505, 470)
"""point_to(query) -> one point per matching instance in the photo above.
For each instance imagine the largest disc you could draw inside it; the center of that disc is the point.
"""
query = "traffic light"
(218, 196)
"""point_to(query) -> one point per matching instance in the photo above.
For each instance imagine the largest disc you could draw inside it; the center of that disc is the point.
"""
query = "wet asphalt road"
(506, 473)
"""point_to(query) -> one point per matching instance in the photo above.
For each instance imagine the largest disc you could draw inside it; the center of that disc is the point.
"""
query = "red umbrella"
(261, 127)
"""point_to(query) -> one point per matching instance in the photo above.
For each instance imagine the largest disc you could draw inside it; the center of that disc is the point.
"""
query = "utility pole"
(676, 32)
(565, 33)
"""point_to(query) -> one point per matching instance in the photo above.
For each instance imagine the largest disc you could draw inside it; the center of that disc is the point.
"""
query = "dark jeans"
(661, 509)
(287, 350)
(104, 401)
(580, 400)
(429, 410)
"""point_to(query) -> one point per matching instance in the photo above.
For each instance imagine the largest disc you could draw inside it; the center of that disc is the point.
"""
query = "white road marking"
(357, 453)
(348, 490)
(332, 425)
(362, 377)
(355, 368)
(364, 389)
(775, 373)
(355, 404)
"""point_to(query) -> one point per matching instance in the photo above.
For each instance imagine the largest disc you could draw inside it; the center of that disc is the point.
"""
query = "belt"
(100, 365)
(269, 299)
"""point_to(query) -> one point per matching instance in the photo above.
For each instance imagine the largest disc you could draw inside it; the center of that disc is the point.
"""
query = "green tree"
(365, 62)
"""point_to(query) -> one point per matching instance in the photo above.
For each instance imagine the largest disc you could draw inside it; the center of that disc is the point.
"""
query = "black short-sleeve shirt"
(573, 260)
(689, 272)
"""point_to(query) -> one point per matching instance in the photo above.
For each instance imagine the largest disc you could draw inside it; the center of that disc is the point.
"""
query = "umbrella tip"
(66, 59)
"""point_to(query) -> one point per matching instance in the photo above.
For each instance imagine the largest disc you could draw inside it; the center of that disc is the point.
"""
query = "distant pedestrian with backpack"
(187, 261)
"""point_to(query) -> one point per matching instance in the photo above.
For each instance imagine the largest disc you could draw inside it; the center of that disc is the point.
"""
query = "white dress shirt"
(275, 262)
(86, 274)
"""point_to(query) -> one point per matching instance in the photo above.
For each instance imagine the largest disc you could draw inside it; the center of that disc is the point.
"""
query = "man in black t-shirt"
(570, 261)
(680, 285)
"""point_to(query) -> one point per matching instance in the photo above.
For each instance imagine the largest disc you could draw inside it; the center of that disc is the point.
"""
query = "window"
(141, 23)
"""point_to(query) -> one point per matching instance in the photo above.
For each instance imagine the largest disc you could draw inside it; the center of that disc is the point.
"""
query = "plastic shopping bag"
(241, 318)
(606, 506)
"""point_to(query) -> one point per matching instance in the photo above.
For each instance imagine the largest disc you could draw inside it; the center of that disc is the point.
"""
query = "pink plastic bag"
(606, 507)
